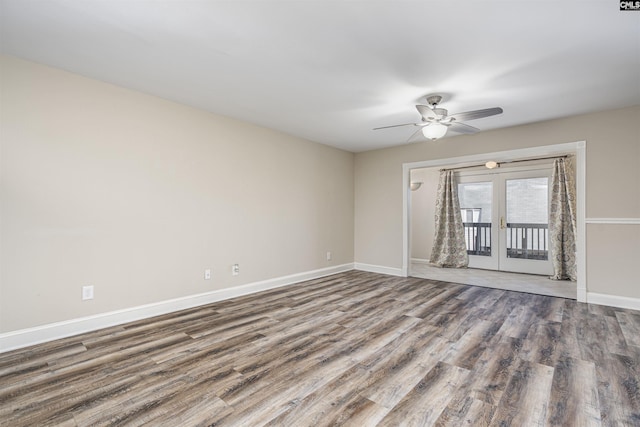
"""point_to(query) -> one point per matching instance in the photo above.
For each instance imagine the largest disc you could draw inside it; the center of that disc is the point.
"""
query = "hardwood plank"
(571, 320)
(327, 402)
(492, 372)
(574, 394)
(466, 351)
(542, 344)
(409, 359)
(592, 331)
(526, 398)
(554, 310)
(359, 412)
(503, 306)
(428, 399)
(84, 367)
(517, 323)
(199, 409)
(471, 412)
(630, 326)
(39, 362)
(619, 390)
(434, 302)
(616, 341)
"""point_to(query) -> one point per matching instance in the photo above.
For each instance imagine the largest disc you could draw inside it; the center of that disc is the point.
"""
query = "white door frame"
(577, 148)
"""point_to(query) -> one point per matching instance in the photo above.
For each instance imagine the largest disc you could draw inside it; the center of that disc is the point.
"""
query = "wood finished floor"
(356, 348)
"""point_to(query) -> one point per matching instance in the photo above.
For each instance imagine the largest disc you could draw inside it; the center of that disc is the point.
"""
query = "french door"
(506, 217)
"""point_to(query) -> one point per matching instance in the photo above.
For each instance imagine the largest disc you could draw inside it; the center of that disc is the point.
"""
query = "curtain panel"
(562, 221)
(449, 246)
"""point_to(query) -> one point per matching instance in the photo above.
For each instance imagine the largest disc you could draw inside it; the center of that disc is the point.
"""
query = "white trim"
(503, 170)
(581, 209)
(579, 148)
(379, 269)
(545, 150)
(52, 331)
(406, 218)
(613, 301)
(419, 261)
(629, 221)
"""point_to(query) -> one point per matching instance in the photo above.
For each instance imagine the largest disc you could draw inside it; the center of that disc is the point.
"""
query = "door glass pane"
(475, 208)
(527, 206)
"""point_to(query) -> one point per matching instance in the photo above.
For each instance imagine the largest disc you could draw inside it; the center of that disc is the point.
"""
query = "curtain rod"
(508, 161)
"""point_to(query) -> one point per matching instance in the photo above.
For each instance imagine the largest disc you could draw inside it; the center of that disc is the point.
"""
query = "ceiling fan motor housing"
(434, 100)
(440, 112)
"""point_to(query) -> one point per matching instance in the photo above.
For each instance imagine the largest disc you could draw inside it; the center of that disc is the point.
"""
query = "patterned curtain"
(449, 246)
(562, 221)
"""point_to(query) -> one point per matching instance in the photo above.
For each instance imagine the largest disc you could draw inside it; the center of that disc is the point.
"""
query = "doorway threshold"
(519, 282)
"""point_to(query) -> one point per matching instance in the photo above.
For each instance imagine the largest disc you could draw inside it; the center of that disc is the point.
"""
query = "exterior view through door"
(506, 219)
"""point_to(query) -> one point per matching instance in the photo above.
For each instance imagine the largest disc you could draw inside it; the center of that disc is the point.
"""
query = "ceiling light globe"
(434, 131)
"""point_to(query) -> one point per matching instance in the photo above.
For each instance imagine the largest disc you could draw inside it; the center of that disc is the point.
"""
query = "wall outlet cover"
(87, 292)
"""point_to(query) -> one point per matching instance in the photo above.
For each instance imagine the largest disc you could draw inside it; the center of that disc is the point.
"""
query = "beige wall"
(612, 188)
(137, 196)
(614, 252)
(423, 210)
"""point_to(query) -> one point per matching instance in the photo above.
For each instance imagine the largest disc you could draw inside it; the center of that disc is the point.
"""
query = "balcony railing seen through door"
(527, 241)
(478, 238)
(524, 240)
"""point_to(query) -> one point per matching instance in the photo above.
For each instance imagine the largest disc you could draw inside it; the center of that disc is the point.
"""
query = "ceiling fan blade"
(427, 113)
(462, 128)
(476, 114)
(395, 126)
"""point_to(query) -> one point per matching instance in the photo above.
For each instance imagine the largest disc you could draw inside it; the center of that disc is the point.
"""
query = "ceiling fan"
(436, 121)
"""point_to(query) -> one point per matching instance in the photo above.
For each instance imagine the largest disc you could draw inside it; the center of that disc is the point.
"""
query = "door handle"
(503, 225)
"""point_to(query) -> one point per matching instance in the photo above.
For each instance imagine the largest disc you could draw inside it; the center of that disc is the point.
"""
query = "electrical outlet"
(87, 292)
(235, 269)
(328, 256)
(207, 274)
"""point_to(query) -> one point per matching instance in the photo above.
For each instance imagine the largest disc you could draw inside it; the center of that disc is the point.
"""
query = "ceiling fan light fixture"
(436, 121)
(434, 131)
(491, 164)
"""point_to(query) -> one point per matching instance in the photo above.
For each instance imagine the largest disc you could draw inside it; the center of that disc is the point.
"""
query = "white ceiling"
(330, 71)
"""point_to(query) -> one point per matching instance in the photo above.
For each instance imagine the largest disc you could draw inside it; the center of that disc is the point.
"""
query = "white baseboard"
(378, 269)
(419, 261)
(613, 300)
(39, 334)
